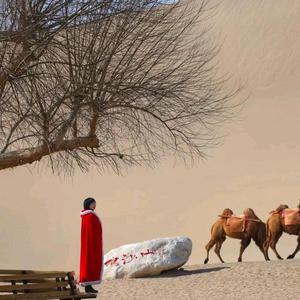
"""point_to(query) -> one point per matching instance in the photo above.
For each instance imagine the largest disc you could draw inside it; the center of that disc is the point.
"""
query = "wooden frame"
(39, 285)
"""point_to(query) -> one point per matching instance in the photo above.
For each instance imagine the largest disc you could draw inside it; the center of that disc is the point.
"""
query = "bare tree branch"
(108, 83)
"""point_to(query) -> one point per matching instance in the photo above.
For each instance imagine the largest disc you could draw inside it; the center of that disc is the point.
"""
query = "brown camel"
(254, 229)
(275, 227)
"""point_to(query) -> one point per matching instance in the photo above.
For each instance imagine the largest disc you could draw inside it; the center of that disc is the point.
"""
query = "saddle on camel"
(290, 216)
(237, 223)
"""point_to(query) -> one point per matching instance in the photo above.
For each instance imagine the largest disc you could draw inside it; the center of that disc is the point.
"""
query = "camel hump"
(227, 212)
(249, 212)
(281, 207)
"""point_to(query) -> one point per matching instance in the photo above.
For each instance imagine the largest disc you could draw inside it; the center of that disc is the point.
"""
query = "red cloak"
(91, 254)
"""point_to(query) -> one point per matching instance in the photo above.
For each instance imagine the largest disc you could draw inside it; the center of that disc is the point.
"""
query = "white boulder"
(147, 258)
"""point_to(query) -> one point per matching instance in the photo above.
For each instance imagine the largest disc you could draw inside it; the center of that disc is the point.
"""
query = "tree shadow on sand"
(183, 272)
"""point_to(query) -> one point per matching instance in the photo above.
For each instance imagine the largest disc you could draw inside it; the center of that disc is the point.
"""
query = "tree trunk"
(30, 155)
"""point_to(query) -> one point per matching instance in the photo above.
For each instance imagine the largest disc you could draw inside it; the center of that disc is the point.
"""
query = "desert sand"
(248, 280)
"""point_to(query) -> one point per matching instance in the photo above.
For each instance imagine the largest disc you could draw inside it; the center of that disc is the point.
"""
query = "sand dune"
(251, 280)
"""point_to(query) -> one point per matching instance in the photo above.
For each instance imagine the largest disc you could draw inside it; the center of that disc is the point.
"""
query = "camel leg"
(273, 242)
(209, 245)
(266, 256)
(262, 249)
(265, 249)
(218, 248)
(244, 244)
(296, 250)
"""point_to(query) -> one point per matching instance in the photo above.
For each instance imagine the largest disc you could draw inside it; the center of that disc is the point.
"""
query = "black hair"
(87, 202)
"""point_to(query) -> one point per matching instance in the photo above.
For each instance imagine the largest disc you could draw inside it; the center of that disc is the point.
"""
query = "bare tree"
(106, 82)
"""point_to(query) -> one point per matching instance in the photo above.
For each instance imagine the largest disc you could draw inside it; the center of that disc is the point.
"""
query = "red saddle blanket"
(236, 223)
(291, 216)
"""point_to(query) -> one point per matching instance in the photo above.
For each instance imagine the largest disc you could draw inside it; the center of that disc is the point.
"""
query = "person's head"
(89, 203)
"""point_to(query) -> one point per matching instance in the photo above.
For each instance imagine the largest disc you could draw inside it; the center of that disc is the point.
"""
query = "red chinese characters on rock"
(129, 257)
(113, 262)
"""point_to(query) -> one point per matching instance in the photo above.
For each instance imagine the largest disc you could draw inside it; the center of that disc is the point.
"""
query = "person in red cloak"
(91, 254)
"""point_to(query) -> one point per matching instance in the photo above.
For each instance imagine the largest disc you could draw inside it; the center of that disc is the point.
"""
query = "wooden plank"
(35, 296)
(84, 296)
(45, 296)
(78, 296)
(16, 272)
(23, 287)
(28, 281)
(29, 277)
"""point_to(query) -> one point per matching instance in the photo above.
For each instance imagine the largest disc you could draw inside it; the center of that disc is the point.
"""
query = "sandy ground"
(247, 280)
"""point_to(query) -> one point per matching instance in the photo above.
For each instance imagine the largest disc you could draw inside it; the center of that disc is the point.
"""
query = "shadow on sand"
(183, 272)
